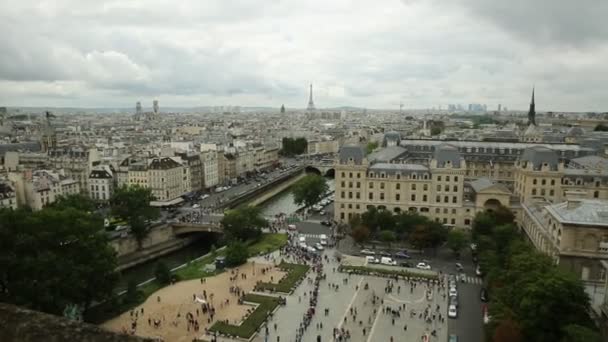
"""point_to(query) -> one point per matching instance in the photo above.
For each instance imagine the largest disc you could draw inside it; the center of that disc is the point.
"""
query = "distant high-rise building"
(311, 104)
(155, 106)
(532, 111)
(138, 110)
(499, 107)
(282, 109)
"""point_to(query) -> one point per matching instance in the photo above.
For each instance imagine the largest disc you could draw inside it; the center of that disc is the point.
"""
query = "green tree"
(75, 201)
(360, 233)
(162, 273)
(387, 236)
(371, 146)
(309, 190)
(236, 253)
(244, 223)
(435, 131)
(483, 223)
(578, 333)
(457, 240)
(508, 330)
(53, 258)
(429, 235)
(132, 204)
(502, 215)
(601, 128)
(406, 221)
(293, 146)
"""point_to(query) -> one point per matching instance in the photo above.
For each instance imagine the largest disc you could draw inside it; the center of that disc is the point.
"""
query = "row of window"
(357, 195)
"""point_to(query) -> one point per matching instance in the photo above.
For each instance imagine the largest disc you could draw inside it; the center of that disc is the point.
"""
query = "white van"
(371, 260)
(302, 238)
(323, 239)
(388, 261)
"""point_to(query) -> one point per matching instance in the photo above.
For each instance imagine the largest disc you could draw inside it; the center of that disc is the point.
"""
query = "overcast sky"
(374, 53)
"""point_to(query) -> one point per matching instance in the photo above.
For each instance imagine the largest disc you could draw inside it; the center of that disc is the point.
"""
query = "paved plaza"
(371, 322)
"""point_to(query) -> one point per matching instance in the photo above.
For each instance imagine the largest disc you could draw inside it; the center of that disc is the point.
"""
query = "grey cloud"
(579, 23)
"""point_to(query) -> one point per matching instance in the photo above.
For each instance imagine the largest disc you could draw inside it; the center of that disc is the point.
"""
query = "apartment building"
(77, 162)
(102, 182)
(39, 188)
(8, 196)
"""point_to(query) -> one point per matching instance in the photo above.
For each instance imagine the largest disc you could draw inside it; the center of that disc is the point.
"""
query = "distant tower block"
(311, 103)
(499, 107)
(138, 109)
(155, 106)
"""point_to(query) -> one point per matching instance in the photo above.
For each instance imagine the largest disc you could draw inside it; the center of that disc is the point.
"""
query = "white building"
(101, 183)
(42, 187)
(210, 168)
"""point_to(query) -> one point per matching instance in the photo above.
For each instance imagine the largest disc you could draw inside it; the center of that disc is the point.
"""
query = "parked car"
(204, 196)
(196, 206)
(452, 311)
(326, 223)
(319, 247)
(453, 292)
(478, 271)
(423, 266)
(459, 267)
(483, 295)
(385, 253)
(402, 255)
(453, 301)
(367, 252)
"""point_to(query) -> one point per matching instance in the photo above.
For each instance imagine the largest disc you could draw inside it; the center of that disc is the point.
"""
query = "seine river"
(281, 203)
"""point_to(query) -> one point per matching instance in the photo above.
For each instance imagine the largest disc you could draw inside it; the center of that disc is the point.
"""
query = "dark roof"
(33, 146)
(539, 155)
(387, 154)
(163, 164)
(100, 174)
(447, 154)
(354, 152)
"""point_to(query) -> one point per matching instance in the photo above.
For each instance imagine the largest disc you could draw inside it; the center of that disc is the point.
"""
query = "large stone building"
(435, 190)
(77, 162)
(573, 232)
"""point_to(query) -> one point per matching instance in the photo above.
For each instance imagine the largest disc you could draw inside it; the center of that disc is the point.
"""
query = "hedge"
(266, 305)
(295, 273)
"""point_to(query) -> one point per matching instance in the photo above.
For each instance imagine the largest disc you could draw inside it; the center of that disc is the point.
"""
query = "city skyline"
(113, 54)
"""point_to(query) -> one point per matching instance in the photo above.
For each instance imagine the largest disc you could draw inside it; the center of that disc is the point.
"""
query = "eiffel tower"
(311, 104)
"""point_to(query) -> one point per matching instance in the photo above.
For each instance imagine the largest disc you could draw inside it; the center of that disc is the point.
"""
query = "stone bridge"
(322, 168)
(180, 228)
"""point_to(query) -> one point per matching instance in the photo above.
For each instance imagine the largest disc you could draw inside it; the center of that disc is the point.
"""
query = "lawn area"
(193, 270)
(251, 324)
(385, 272)
(295, 273)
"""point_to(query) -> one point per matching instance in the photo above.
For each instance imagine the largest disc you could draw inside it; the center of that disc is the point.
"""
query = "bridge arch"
(331, 173)
(312, 169)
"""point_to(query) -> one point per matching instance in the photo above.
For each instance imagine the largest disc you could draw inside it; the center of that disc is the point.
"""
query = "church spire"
(532, 111)
(311, 104)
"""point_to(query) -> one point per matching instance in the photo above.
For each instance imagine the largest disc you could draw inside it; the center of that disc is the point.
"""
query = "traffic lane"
(468, 326)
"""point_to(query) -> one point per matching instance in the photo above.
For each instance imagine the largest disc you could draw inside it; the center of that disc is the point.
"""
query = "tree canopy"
(294, 146)
(544, 302)
(601, 128)
(244, 223)
(236, 253)
(75, 201)
(371, 146)
(132, 203)
(309, 190)
(457, 240)
(54, 257)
